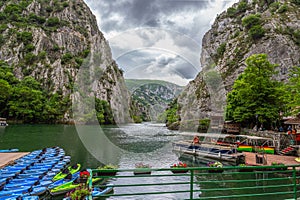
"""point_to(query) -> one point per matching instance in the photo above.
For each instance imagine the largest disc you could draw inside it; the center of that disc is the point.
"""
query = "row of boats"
(42, 171)
(224, 147)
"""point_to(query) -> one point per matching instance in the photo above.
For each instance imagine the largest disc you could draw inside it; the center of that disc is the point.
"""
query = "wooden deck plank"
(250, 159)
(7, 158)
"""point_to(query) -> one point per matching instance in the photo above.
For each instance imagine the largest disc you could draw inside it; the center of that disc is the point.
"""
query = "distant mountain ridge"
(153, 95)
(133, 84)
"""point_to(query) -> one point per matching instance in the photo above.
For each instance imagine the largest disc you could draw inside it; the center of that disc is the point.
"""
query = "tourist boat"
(206, 146)
(255, 144)
(3, 122)
(224, 147)
(249, 143)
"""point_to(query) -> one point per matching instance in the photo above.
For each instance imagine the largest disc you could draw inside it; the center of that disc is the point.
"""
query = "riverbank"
(268, 159)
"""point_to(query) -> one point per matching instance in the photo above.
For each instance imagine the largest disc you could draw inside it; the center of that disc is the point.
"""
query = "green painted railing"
(234, 182)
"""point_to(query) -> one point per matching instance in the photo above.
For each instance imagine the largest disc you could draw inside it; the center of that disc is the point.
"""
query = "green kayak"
(64, 188)
(69, 170)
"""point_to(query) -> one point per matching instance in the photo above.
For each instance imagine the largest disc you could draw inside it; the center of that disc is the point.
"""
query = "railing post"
(295, 182)
(90, 183)
(192, 185)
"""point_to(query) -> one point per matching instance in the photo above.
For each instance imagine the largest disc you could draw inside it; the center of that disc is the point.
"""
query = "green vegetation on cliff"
(292, 89)
(43, 44)
(258, 97)
(25, 100)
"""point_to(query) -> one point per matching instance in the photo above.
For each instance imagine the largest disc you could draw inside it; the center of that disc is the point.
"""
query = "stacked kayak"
(70, 170)
(68, 178)
(67, 186)
(32, 174)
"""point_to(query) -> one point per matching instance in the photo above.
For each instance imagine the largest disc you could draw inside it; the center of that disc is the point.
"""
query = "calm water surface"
(93, 145)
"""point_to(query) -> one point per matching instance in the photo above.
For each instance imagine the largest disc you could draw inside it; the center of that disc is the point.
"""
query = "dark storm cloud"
(158, 37)
(140, 12)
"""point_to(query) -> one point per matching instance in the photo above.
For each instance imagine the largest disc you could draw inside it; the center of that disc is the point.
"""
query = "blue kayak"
(32, 173)
(8, 150)
(98, 192)
(20, 197)
(39, 183)
(23, 191)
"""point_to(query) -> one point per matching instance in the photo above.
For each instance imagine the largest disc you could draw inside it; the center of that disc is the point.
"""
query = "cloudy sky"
(157, 39)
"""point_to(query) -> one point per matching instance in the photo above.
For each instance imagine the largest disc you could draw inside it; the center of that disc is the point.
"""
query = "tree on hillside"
(256, 97)
(293, 91)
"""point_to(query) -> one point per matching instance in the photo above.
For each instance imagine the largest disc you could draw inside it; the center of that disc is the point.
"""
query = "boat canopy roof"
(221, 135)
(212, 135)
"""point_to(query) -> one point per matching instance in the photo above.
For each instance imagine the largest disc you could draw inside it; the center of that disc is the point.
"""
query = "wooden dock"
(250, 159)
(7, 158)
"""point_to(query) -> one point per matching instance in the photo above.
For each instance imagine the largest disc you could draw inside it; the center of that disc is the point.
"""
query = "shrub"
(2, 40)
(66, 58)
(24, 37)
(109, 166)
(274, 6)
(283, 8)
(3, 27)
(79, 61)
(220, 51)
(251, 20)
(296, 37)
(65, 4)
(2, 16)
(242, 7)
(42, 55)
(11, 9)
(56, 48)
(29, 47)
(53, 21)
(49, 9)
(29, 58)
(231, 12)
(36, 19)
(256, 32)
(204, 123)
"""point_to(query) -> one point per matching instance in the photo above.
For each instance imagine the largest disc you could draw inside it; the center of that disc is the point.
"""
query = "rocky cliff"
(151, 97)
(249, 27)
(51, 40)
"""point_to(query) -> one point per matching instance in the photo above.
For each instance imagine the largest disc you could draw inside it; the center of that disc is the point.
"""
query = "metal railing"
(234, 182)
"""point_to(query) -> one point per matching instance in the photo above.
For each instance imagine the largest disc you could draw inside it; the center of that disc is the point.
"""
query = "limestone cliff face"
(50, 40)
(230, 41)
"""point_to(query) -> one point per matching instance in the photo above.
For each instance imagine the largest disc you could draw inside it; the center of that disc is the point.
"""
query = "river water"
(93, 146)
(124, 146)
